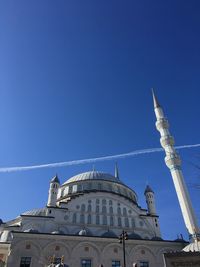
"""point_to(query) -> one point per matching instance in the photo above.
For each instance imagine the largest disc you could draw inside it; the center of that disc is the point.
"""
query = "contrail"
(91, 160)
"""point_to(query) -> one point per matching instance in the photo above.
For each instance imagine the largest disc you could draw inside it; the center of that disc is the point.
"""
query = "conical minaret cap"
(148, 189)
(155, 100)
(55, 179)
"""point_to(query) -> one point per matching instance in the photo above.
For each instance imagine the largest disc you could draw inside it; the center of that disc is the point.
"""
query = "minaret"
(150, 200)
(173, 162)
(53, 191)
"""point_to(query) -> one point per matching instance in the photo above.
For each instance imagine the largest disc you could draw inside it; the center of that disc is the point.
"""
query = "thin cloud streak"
(91, 160)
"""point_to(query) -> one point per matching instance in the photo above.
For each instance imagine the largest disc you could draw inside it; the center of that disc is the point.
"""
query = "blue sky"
(75, 79)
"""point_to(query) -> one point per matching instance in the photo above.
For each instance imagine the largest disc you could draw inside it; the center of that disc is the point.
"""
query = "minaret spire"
(173, 162)
(155, 100)
(116, 171)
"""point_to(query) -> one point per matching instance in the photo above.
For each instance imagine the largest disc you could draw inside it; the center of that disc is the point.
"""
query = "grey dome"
(109, 234)
(93, 175)
(35, 212)
(134, 236)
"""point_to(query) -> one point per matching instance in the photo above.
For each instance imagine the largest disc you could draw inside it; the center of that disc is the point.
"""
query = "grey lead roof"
(93, 175)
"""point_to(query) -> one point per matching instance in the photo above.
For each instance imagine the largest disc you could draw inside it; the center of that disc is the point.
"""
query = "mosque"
(84, 217)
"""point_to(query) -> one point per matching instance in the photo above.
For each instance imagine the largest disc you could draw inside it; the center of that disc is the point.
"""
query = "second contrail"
(91, 160)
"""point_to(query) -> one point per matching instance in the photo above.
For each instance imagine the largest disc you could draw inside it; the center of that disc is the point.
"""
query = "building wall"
(41, 247)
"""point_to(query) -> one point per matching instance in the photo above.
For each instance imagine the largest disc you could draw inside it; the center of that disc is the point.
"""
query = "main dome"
(94, 181)
(93, 175)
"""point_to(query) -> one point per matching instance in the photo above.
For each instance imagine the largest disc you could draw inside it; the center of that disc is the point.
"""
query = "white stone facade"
(82, 221)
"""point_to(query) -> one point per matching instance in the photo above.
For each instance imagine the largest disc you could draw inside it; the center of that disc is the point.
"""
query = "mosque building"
(84, 217)
(82, 221)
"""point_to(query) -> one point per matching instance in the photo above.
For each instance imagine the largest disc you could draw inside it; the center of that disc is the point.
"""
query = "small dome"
(109, 234)
(148, 189)
(84, 232)
(93, 175)
(55, 179)
(134, 236)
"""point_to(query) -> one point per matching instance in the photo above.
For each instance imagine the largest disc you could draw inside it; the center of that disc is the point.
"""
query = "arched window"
(83, 207)
(111, 210)
(119, 222)
(133, 223)
(89, 219)
(97, 201)
(126, 222)
(97, 219)
(74, 218)
(110, 202)
(124, 211)
(79, 188)
(104, 202)
(104, 209)
(99, 186)
(111, 221)
(104, 220)
(89, 208)
(97, 209)
(82, 218)
(119, 211)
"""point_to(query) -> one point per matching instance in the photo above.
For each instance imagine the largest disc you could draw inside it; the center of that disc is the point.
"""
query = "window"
(83, 207)
(74, 218)
(126, 222)
(111, 221)
(97, 201)
(116, 264)
(79, 188)
(89, 219)
(119, 222)
(104, 220)
(118, 210)
(110, 202)
(144, 264)
(97, 219)
(104, 201)
(86, 263)
(133, 223)
(25, 262)
(104, 210)
(124, 211)
(89, 208)
(82, 218)
(111, 210)
(97, 209)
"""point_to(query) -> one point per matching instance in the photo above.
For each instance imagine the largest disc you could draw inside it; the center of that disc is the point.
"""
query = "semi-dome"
(93, 175)
(109, 234)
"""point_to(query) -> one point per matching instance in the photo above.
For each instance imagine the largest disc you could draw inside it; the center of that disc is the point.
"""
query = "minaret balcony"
(167, 140)
(162, 124)
(172, 160)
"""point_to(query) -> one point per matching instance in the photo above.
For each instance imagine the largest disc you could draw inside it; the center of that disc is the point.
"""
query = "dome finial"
(155, 100)
(116, 171)
(93, 168)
